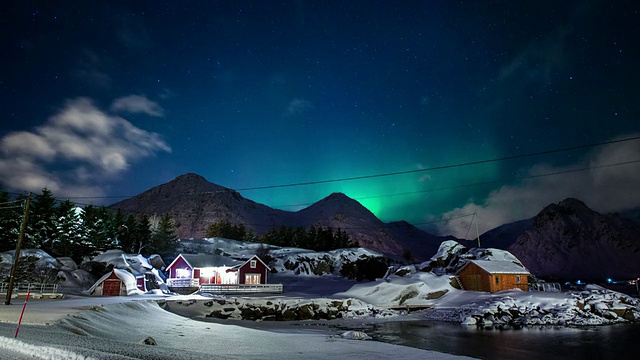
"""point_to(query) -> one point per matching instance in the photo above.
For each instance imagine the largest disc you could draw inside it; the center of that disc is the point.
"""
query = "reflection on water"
(549, 343)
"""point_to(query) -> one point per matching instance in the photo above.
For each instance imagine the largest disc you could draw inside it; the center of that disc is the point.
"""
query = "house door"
(111, 287)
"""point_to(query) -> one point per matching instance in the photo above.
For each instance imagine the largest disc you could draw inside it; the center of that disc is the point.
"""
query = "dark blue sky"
(113, 98)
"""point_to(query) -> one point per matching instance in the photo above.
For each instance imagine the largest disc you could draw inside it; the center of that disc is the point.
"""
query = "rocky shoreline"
(281, 309)
(586, 308)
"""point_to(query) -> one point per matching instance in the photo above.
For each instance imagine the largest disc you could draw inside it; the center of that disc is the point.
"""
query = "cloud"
(137, 104)
(74, 151)
(603, 186)
(298, 106)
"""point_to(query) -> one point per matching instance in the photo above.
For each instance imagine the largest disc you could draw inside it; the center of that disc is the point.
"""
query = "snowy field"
(116, 328)
(165, 326)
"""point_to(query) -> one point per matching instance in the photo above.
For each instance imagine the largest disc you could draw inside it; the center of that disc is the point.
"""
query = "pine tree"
(127, 235)
(115, 228)
(143, 234)
(68, 230)
(11, 213)
(42, 217)
(163, 237)
(270, 237)
(95, 237)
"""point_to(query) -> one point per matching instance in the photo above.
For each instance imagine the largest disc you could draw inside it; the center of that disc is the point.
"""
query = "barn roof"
(498, 267)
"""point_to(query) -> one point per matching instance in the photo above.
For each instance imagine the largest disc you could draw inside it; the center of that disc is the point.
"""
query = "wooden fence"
(37, 290)
(549, 287)
(241, 288)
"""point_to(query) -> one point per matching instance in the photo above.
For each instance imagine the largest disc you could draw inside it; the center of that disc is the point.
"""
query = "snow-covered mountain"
(195, 203)
(569, 240)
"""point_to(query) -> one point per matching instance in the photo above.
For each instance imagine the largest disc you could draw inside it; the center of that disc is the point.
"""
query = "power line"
(441, 167)
(484, 182)
(10, 207)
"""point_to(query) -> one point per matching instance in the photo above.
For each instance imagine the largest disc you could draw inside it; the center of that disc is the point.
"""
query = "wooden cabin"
(493, 275)
(254, 271)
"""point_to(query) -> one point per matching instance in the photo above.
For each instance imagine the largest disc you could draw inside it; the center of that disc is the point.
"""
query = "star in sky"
(110, 99)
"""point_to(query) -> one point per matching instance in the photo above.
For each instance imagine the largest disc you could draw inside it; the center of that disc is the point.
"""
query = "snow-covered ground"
(117, 328)
(164, 326)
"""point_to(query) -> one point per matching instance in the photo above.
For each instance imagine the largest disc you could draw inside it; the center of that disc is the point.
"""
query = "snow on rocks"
(276, 309)
(515, 309)
(355, 335)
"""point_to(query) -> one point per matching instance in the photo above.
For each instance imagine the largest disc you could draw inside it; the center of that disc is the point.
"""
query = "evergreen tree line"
(61, 229)
(317, 239)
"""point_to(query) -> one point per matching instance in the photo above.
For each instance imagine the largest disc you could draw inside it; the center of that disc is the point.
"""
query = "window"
(253, 279)
(183, 273)
(517, 278)
(253, 264)
(497, 280)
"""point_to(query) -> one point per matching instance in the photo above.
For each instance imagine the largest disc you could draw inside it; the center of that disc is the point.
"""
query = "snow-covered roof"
(127, 278)
(498, 267)
(208, 260)
(135, 263)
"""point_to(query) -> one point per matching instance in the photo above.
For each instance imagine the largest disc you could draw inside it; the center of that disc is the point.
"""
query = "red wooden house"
(194, 270)
(493, 275)
(254, 271)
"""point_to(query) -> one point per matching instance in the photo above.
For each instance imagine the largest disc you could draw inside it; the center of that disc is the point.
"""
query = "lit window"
(183, 273)
(253, 264)
(253, 279)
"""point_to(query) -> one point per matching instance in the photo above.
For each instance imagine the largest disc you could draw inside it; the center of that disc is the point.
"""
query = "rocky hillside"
(196, 203)
(569, 240)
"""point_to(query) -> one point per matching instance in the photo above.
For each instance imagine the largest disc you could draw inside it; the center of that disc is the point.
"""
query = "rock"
(631, 315)
(609, 315)
(470, 321)
(305, 312)
(289, 315)
(148, 341)
(250, 313)
(218, 314)
(355, 335)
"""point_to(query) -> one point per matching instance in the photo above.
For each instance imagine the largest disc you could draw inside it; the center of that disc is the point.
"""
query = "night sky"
(104, 100)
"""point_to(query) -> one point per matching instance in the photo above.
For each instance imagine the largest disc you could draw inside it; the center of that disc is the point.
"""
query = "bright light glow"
(183, 273)
(230, 277)
(207, 272)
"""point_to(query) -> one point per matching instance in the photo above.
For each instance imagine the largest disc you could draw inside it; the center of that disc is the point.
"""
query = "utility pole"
(474, 215)
(16, 256)
(477, 232)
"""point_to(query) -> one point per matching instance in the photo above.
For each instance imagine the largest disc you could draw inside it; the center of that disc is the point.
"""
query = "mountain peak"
(568, 206)
(573, 203)
(190, 177)
(336, 196)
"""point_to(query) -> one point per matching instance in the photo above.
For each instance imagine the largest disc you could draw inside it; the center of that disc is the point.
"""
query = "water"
(548, 343)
